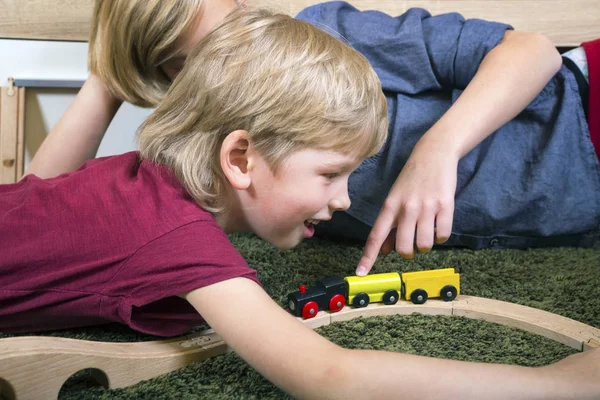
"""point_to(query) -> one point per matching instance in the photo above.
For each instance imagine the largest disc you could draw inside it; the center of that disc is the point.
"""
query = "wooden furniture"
(566, 22)
(12, 125)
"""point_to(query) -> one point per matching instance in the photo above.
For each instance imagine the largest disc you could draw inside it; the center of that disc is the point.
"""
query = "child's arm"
(306, 365)
(508, 79)
(77, 136)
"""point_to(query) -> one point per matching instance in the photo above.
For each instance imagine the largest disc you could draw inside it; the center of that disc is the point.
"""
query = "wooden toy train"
(333, 293)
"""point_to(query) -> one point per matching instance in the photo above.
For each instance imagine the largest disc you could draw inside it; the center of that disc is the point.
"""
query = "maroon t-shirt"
(116, 240)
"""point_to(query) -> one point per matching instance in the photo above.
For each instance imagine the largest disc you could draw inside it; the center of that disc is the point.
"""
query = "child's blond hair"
(130, 39)
(290, 85)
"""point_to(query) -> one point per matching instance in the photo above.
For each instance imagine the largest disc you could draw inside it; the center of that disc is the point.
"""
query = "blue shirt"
(534, 182)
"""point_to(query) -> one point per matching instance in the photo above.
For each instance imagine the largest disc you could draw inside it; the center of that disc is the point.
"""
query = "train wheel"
(310, 310)
(418, 296)
(390, 297)
(336, 303)
(448, 293)
(361, 300)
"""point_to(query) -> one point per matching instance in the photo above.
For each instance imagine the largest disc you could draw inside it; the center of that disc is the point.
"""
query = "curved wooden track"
(36, 367)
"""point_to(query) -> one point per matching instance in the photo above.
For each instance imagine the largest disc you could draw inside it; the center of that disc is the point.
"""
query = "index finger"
(380, 231)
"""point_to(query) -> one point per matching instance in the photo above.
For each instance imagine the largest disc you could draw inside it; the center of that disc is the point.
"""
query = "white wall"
(32, 59)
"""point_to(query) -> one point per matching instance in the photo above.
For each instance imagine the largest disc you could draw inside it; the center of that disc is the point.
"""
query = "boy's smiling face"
(309, 186)
(283, 206)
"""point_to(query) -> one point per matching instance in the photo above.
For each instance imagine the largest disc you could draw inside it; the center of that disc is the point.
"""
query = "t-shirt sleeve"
(414, 52)
(193, 256)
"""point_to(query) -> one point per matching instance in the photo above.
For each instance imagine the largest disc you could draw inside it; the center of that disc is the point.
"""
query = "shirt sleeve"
(190, 257)
(414, 52)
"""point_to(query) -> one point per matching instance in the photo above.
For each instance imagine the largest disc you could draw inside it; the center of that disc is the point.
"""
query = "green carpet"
(565, 281)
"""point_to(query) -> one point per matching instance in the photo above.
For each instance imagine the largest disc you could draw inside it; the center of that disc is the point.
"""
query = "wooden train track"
(36, 367)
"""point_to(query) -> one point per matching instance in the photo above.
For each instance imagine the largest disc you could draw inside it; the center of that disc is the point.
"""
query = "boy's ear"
(234, 159)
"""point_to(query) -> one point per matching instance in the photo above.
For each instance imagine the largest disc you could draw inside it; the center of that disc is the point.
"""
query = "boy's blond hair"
(130, 39)
(290, 85)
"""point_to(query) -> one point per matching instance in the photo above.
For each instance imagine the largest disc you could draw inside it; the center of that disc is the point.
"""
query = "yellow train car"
(374, 288)
(422, 285)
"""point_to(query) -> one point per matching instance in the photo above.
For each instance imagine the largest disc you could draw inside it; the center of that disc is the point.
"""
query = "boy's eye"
(332, 176)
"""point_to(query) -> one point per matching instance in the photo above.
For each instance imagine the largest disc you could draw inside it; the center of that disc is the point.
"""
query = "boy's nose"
(340, 202)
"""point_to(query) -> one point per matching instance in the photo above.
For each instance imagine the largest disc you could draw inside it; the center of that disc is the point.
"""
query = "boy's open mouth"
(309, 227)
